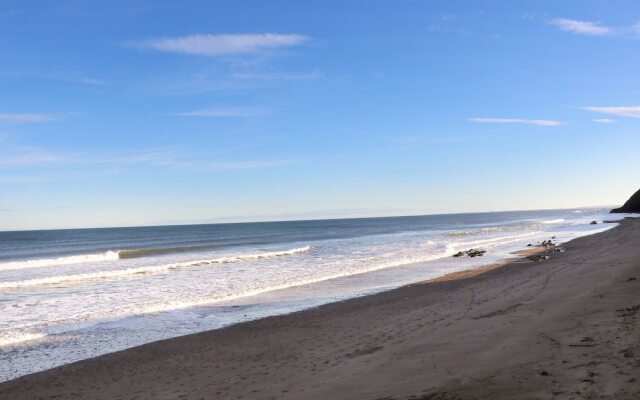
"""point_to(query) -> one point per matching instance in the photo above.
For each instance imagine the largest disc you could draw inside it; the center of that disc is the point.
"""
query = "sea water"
(67, 295)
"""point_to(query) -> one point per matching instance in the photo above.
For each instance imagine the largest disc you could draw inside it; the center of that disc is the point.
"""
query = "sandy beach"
(563, 328)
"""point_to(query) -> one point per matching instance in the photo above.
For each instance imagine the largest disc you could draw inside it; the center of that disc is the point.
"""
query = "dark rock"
(594, 222)
(470, 253)
(476, 253)
(631, 206)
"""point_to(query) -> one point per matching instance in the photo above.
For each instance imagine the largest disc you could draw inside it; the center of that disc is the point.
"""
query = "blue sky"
(151, 112)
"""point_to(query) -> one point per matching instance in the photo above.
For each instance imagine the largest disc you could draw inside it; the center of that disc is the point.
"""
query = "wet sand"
(563, 328)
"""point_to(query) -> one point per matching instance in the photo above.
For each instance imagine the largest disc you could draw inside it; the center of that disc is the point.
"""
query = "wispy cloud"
(449, 23)
(71, 78)
(85, 81)
(229, 78)
(26, 157)
(628, 111)
(21, 178)
(275, 76)
(590, 28)
(604, 121)
(227, 112)
(152, 157)
(459, 24)
(173, 158)
(223, 44)
(582, 27)
(23, 157)
(28, 117)
(537, 122)
(250, 164)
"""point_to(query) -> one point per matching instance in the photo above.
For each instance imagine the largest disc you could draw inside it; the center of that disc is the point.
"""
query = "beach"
(563, 328)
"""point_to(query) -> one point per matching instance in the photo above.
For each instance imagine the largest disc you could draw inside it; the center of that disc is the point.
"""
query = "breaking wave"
(137, 253)
(111, 255)
(47, 262)
(553, 221)
(150, 269)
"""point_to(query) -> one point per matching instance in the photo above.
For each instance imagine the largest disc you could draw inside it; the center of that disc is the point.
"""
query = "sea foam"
(48, 262)
(50, 280)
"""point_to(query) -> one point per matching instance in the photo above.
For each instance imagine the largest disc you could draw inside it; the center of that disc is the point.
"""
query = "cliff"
(631, 206)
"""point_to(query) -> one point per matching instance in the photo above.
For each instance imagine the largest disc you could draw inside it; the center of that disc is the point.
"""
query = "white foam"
(148, 269)
(156, 307)
(47, 262)
(12, 339)
(554, 221)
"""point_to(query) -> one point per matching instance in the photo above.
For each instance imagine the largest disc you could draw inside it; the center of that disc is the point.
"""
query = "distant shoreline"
(535, 329)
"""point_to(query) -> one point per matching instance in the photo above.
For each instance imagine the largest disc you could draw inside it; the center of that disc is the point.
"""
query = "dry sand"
(564, 328)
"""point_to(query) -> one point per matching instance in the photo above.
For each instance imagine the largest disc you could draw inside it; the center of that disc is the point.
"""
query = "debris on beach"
(550, 246)
(470, 253)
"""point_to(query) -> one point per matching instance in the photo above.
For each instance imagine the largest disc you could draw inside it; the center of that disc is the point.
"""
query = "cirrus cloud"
(581, 27)
(625, 111)
(227, 112)
(223, 44)
(537, 122)
(27, 117)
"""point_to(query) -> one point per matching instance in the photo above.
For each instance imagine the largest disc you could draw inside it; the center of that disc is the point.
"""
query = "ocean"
(67, 295)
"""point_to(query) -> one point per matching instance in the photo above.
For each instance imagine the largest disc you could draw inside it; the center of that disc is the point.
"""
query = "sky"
(134, 112)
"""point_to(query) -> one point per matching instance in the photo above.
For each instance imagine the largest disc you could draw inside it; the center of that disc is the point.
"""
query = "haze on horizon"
(154, 112)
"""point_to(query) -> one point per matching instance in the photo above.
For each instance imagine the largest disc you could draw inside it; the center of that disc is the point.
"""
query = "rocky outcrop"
(631, 206)
(470, 253)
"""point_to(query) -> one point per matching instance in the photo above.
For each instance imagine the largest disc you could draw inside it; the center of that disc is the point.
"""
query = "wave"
(160, 307)
(553, 221)
(12, 340)
(476, 231)
(149, 269)
(137, 253)
(111, 255)
(47, 262)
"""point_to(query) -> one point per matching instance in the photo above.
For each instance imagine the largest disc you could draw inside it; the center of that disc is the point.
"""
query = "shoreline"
(304, 343)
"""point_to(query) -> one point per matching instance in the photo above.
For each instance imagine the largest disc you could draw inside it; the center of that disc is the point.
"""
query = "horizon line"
(302, 219)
